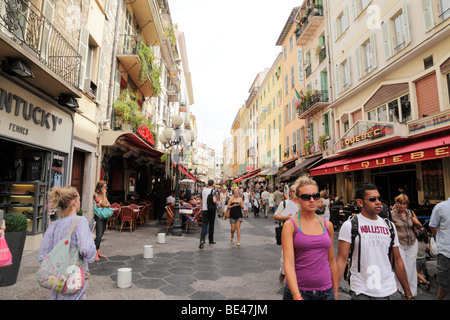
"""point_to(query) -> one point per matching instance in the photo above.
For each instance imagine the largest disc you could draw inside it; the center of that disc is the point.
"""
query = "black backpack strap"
(355, 233)
(391, 231)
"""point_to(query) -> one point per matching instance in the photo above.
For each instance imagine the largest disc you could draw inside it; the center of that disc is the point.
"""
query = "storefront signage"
(28, 117)
(420, 155)
(362, 133)
(429, 123)
(145, 134)
(19, 107)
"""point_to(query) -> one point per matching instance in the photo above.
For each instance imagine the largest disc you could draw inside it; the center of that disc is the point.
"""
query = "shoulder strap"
(391, 231)
(74, 224)
(355, 233)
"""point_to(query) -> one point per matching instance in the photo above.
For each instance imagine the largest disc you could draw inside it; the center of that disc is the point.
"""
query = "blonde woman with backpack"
(66, 201)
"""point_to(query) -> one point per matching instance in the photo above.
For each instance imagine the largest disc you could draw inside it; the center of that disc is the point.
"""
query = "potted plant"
(15, 235)
(322, 140)
(127, 109)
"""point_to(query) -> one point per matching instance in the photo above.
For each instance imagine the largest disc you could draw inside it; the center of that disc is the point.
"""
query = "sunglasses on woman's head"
(307, 196)
(373, 199)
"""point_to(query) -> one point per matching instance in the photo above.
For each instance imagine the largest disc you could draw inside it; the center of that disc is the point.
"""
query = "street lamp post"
(174, 136)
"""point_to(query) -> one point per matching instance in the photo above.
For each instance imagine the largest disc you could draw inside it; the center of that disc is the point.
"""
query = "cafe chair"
(112, 221)
(136, 213)
(127, 217)
(145, 211)
(169, 217)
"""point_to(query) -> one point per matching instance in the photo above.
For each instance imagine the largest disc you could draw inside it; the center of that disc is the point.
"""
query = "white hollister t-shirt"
(376, 277)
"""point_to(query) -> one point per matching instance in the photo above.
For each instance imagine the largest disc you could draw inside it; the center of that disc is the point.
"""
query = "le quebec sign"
(26, 117)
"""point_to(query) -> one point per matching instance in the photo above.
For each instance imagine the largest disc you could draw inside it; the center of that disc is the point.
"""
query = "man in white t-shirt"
(375, 279)
(265, 198)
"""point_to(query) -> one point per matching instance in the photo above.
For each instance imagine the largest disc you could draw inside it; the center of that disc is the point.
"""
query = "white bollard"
(148, 252)
(124, 277)
(161, 238)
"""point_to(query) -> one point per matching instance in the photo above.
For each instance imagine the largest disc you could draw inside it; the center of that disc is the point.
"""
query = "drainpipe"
(113, 63)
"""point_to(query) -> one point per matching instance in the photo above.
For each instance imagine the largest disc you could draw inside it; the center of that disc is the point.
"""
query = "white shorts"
(247, 205)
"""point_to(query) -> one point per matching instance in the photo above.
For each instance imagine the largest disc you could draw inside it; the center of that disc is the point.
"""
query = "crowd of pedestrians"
(379, 254)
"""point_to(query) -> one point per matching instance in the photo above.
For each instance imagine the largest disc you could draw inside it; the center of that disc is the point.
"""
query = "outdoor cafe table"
(191, 214)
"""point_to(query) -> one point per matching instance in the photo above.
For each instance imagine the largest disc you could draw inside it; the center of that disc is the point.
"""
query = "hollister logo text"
(374, 229)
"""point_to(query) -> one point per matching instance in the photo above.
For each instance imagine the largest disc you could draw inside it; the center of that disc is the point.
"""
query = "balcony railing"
(25, 24)
(310, 99)
(306, 22)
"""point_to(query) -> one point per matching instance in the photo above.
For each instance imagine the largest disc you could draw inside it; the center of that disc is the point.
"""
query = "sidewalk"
(179, 270)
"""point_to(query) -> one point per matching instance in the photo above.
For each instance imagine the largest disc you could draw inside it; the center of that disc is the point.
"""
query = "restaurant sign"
(429, 123)
(362, 133)
(146, 134)
(383, 160)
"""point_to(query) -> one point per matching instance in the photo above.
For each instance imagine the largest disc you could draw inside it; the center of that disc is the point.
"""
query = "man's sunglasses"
(373, 199)
(307, 196)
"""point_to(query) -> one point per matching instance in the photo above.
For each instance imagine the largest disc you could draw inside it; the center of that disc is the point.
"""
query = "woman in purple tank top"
(307, 240)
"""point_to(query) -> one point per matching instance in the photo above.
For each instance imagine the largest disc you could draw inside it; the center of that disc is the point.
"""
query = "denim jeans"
(310, 295)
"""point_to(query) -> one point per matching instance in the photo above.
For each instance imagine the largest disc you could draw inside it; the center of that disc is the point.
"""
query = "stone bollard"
(148, 252)
(161, 238)
(124, 277)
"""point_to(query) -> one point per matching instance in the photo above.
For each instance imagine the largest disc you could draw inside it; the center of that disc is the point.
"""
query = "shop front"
(36, 141)
(130, 165)
(417, 166)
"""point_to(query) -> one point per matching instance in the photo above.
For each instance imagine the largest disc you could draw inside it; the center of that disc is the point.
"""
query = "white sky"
(228, 42)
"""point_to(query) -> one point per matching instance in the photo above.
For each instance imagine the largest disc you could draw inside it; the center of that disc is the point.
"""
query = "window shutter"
(406, 20)
(373, 51)
(49, 12)
(387, 40)
(345, 19)
(83, 51)
(334, 27)
(338, 79)
(117, 85)
(358, 62)
(354, 9)
(100, 76)
(348, 74)
(427, 14)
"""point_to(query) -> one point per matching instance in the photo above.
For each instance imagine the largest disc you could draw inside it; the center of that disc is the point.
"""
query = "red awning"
(432, 148)
(133, 139)
(184, 171)
(248, 175)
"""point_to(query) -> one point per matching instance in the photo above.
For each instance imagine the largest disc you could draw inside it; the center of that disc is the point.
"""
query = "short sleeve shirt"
(440, 219)
(376, 277)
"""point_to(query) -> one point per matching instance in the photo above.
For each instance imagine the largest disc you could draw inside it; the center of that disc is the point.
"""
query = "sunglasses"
(373, 199)
(307, 196)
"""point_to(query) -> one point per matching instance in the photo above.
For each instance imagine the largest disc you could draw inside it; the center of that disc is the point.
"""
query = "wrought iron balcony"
(25, 24)
(311, 102)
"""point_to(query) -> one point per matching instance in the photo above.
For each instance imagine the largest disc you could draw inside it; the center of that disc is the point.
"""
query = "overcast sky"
(228, 42)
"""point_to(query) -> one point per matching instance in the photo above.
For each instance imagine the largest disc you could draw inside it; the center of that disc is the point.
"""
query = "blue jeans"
(310, 295)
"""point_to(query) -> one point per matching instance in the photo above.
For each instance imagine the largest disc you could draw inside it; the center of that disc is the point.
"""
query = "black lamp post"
(174, 137)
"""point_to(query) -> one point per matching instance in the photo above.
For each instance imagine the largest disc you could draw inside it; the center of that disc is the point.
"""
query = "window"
(292, 78)
(343, 76)
(340, 25)
(434, 12)
(291, 43)
(359, 6)
(398, 27)
(391, 111)
(286, 85)
(366, 57)
(326, 124)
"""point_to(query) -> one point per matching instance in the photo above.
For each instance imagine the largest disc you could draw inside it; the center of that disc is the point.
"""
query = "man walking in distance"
(440, 226)
(208, 214)
(372, 275)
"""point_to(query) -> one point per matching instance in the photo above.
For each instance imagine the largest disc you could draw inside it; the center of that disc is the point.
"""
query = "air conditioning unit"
(90, 88)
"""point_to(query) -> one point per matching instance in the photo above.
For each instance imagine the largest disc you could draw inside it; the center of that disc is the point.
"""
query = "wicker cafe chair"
(127, 217)
(170, 217)
(144, 214)
(135, 213)
(113, 219)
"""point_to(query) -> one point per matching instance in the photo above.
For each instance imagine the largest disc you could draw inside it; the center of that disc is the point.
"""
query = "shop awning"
(185, 171)
(129, 140)
(431, 148)
(248, 175)
(296, 171)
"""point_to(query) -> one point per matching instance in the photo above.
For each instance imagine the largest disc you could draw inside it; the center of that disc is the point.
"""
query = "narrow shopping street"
(179, 270)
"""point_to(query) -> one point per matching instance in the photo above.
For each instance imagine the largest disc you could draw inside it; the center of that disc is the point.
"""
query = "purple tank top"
(311, 259)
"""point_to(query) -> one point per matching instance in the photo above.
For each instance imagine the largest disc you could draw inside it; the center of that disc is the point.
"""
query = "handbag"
(5, 253)
(278, 231)
(320, 210)
(433, 247)
(103, 212)
(62, 270)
